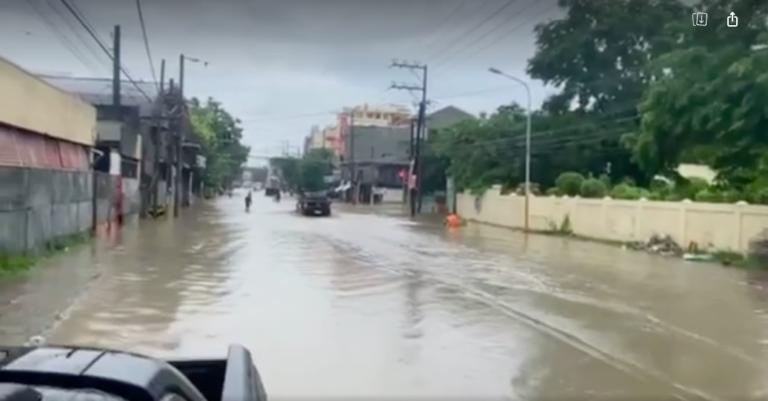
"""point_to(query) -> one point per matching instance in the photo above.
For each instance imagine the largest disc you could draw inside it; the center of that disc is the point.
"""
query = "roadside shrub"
(660, 185)
(593, 188)
(758, 196)
(718, 196)
(674, 197)
(708, 195)
(535, 190)
(569, 183)
(691, 188)
(732, 196)
(606, 180)
(626, 191)
(553, 191)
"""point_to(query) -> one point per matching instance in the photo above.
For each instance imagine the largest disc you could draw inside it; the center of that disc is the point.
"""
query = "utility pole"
(116, 70)
(157, 115)
(408, 195)
(168, 140)
(179, 140)
(116, 103)
(352, 164)
(415, 193)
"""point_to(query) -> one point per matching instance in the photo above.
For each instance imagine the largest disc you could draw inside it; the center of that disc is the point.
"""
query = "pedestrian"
(248, 200)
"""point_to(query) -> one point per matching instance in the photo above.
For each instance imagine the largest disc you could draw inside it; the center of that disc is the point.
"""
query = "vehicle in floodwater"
(314, 203)
(273, 186)
(69, 373)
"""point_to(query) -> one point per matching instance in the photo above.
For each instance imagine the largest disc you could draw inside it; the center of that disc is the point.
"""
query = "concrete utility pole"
(353, 166)
(179, 141)
(116, 69)
(116, 103)
(415, 193)
(157, 115)
(169, 139)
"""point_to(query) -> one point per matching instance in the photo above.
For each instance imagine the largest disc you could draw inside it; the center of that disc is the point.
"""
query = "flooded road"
(375, 306)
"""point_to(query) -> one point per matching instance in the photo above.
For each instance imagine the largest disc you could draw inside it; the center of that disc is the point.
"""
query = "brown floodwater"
(367, 303)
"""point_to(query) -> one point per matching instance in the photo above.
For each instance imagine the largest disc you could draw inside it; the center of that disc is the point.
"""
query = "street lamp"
(527, 144)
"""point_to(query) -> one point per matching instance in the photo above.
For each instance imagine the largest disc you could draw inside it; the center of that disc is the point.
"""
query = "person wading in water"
(248, 201)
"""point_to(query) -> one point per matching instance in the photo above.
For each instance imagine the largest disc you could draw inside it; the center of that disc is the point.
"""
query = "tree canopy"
(221, 136)
(306, 173)
(640, 90)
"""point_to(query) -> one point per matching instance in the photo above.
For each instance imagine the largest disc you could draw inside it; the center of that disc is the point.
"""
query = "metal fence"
(37, 205)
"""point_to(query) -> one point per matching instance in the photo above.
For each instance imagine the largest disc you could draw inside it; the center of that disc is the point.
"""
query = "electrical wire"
(77, 33)
(387, 94)
(440, 26)
(104, 48)
(473, 29)
(146, 44)
(332, 112)
(449, 54)
(56, 32)
(497, 40)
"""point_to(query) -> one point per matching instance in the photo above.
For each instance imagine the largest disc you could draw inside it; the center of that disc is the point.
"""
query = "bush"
(759, 196)
(691, 188)
(627, 191)
(593, 188)
(553, 191)
(606, 180)
(569, 183)
(708, 195)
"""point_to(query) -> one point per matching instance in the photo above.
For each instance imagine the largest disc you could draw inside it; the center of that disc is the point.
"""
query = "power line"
(488, 33)
(84, 41)
(499, 38)
(104, 48)
(455, 43)
(146, 43)
(55, 31)
(440, 25)
(471, 29)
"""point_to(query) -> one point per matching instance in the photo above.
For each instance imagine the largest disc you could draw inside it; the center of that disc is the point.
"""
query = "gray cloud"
(284, 65)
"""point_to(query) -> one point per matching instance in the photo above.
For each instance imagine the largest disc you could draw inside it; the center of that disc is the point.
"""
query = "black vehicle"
(69, 373)
(314, 203)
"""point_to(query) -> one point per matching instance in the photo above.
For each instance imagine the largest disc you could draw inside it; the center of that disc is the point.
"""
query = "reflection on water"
(374, 305)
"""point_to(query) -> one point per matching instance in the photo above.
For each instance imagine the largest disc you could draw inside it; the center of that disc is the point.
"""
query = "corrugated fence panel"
(9, 149)
(23, 149)
(31, 149)
(52, 154)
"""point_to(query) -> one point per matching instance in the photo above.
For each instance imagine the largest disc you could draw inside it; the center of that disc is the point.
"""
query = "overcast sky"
(284, 65)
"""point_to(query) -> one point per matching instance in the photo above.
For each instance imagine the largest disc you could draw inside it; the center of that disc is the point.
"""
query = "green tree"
(707, 104)
(221, 136)
(640, 91)
(308, 172)
(598, 55)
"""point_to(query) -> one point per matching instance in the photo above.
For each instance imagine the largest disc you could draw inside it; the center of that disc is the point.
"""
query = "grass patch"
(15, 263)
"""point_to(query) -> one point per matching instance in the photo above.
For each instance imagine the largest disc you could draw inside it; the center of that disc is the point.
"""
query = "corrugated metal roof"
(98, 91)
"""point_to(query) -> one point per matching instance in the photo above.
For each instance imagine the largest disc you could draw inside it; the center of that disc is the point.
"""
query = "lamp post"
(527, 144)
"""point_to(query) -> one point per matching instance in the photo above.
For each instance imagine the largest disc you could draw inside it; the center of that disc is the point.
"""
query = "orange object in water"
(452, 220)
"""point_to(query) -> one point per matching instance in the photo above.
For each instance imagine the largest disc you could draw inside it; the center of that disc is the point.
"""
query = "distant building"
(446, 117)
(323, 138)
(379, 116)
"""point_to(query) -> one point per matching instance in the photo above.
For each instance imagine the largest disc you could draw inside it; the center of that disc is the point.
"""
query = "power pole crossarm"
(406, 87)
(420, 128)
(407, 65)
